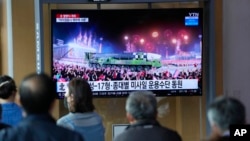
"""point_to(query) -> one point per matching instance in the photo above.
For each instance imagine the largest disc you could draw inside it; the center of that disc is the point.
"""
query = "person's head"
(225, 111)
(7, 87)
(79, 96)
(141, 105)
(37, 93)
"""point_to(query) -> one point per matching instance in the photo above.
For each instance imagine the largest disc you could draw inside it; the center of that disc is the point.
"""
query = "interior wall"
(23, 38)
(236, 43)
(179, 113)
(219, 47)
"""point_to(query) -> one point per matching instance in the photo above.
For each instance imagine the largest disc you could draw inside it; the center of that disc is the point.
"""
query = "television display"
(119, 51)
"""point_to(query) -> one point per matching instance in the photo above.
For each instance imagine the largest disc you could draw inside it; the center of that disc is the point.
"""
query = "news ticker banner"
(176, 84)
(240, 132)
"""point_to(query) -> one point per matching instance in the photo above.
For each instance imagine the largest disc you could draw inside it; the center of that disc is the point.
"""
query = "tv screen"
(119, 51)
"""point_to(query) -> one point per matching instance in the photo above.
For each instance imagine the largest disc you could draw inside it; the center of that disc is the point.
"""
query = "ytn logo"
(193, 14)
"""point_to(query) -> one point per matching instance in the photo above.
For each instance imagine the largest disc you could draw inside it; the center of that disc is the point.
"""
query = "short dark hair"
(7, 86)
(142, 105)
(225, 111)
(82, 94)
(37, 93)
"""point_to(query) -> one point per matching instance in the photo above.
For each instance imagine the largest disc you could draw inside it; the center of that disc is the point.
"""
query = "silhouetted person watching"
(222, 113)
(37, 95)
(141, 107)
(11, 112)
(82, 118)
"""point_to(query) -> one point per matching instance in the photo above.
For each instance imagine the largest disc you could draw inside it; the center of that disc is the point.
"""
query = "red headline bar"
(67, 15)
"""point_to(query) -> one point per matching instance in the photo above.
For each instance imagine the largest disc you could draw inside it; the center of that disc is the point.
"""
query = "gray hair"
(225, 111)
(142, 105)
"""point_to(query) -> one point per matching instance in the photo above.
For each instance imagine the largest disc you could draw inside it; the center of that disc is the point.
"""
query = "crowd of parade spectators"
(64, 72)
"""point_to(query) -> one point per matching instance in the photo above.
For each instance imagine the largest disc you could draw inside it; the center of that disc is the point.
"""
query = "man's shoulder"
(79, 116)
(168, 130)
(148, 133)
(24, 132)
(156, 128)
(64, 119)
(62, 131)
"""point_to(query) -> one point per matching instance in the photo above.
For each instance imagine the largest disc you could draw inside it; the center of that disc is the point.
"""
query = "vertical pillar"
(209, 52)
(39, 36)
(6, 39)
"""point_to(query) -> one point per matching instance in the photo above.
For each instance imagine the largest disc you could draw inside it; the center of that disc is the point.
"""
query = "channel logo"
(240, 133)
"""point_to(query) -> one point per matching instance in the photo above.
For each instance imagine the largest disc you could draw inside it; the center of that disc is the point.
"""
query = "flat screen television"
(119, 51)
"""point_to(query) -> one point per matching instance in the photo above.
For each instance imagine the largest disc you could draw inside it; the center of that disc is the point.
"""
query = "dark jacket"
(223, 138)
(38, 128)
(3, 125)
(148, 131)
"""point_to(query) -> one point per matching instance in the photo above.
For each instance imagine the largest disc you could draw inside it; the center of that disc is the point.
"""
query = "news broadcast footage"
(119, 51)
